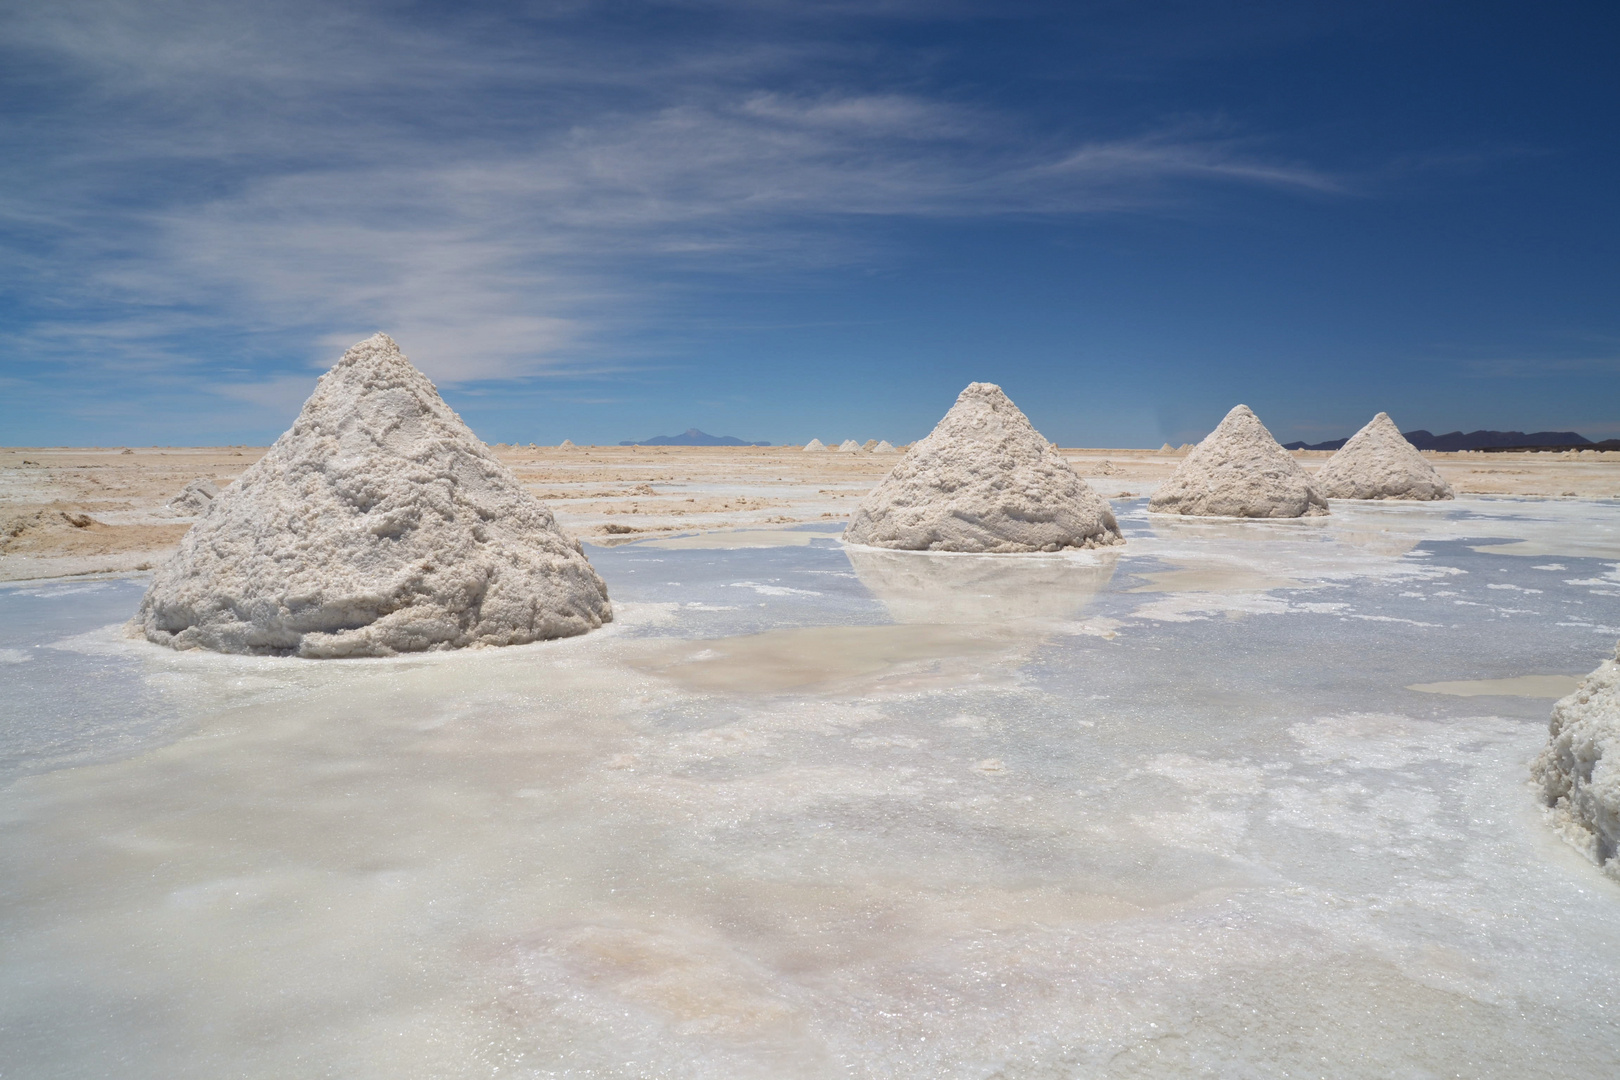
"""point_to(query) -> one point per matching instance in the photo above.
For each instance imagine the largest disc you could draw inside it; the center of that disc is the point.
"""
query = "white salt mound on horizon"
(984, 480)
(884, 447)
(815, 444)
(849, 446)
(567, 444)
(1378, 463)
(377, 524)
(1579, 771)
(1239, 471)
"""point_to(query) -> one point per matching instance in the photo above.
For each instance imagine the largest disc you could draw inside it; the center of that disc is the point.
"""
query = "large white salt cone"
(1378, 463)
(1579, 770)
(377, 524)
(1239, 471)
(984, 480)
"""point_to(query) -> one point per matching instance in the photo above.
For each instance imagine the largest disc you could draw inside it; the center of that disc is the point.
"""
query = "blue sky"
(781, 220)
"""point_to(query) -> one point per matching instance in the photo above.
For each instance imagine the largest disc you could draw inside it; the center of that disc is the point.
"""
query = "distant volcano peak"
(692, 437)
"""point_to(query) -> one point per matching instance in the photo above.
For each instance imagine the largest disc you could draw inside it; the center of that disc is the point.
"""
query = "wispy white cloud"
(506, 199)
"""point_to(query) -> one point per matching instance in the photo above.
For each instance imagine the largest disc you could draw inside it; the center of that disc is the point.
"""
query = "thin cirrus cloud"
(523, 213)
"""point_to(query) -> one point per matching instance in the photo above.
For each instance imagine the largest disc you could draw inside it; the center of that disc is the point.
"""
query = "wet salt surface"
(809, 811)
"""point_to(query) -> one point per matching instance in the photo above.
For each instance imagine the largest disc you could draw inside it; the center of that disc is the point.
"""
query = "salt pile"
(815, 444)
(884, 447)
(567, 444)
(1378, 463)
(195, 497)
(1579, 771)
(849, 446)
(377, 524)
(1167, 449)
(1239, 471)
(984, 480)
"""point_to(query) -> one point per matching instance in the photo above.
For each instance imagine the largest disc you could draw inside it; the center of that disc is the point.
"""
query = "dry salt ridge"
(1239, 470)
(985, 481)
(377, 524)
(1378, 463)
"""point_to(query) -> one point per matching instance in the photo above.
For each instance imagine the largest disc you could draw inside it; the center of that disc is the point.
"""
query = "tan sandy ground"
(70, 511)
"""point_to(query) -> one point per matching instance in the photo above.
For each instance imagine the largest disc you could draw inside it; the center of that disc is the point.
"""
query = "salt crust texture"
(1378, 463)
(984, 480)
(1239, 471)
(1579, 771)
(377, 524)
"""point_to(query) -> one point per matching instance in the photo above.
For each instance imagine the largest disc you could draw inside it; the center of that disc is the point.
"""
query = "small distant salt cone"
(377, 524)
(1378, 463)
(1167, 449)
(1184, 448)
(815, 444)
(1579, 771)
(1239, 471)
(567, 444)
(849, 446)
(884, 447)
(869, 445)
(983, 481)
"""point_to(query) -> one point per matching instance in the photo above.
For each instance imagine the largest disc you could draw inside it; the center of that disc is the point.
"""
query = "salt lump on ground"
(984, 480)
(377, 524)
(1239, 471)
(1579, 771)
(1378, 463)
(195, 497)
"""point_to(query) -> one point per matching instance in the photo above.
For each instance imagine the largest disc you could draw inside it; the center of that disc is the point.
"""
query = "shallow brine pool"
(813, 811)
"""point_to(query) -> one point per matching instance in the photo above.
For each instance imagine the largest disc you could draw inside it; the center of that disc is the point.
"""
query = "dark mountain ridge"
(693, 437)
(1473, 440)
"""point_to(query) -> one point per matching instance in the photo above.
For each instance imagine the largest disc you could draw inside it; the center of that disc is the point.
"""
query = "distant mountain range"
(1476, 440)
(693, 437)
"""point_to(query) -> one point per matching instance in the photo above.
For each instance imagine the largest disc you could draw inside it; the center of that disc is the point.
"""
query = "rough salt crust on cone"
(1378, 463)
(983, 481)
(1239, 471)
(1579, 770)
(377, 524)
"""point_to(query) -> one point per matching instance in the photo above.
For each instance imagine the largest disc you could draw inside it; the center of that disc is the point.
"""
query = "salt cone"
(983, 481)
(1579, 771)
(815, 444)
(1378, 463)
(1239, 471)
(377, 524)
(849, 446)
(884, 447)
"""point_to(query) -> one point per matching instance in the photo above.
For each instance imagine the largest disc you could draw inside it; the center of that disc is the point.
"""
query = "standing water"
(1236, 799)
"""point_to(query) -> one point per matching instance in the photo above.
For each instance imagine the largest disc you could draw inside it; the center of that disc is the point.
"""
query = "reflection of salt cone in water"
(974, 590)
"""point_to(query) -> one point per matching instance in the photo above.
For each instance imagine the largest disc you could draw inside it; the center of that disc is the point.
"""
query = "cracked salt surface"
(802, 811)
